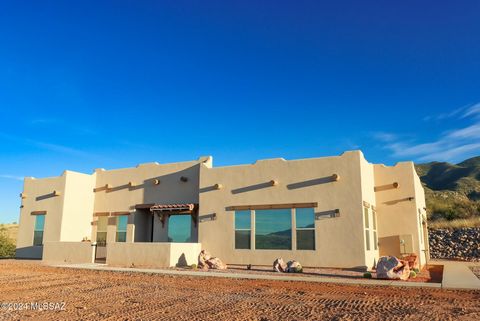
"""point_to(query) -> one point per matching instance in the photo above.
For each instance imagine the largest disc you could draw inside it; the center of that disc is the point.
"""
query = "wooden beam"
(38, 213)
(120, 213)
(271, 206)
(144, 206)
(101, 214)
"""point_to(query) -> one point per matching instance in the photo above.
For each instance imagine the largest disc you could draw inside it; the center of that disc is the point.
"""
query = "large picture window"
(38, 230)
(242, 229)
(305, 227)
(180, 228)
(122, 228)
(273, 229)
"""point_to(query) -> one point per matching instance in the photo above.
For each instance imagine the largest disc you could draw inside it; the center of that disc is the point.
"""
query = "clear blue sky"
(112, 84)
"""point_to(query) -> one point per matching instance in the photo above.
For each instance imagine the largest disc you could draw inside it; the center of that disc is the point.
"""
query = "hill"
(452, 191)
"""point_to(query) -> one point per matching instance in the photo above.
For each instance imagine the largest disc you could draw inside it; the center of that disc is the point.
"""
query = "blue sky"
(105, 84)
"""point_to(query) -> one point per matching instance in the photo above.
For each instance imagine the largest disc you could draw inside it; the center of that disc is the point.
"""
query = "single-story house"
(337, 211)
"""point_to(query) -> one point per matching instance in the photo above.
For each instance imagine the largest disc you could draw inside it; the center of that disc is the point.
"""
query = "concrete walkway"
(198, 273)
(457, 275)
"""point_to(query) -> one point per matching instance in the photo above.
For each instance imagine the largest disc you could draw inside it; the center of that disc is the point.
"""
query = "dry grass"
(454, 224)
(11, 229)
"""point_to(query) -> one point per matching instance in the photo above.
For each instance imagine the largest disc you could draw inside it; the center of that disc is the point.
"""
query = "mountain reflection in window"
(273, 229)
(179, 228)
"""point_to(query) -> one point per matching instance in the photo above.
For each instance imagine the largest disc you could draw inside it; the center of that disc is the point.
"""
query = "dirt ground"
(91, 295)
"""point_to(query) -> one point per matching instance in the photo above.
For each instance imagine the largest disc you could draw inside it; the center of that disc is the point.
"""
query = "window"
(273, 229)
(242, 230)
(305, 227)
(375, 236)
(102, 223)
(121, 228)
(420, 222)
(367, 230)
(38, 230)
(180, 228)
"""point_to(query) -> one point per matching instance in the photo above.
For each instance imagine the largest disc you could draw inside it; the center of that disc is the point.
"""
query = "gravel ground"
(458, 244)
(93, 295)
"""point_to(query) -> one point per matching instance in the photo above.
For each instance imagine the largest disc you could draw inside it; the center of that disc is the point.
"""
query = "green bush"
(367, 275)
(416, 271)
(413, 275)
(7, 246)
(193, 266)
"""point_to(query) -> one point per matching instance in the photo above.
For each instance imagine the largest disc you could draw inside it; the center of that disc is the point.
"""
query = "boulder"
(389, 267)
(294, 267)
(412, 260)
(206, 261)
(279, 265)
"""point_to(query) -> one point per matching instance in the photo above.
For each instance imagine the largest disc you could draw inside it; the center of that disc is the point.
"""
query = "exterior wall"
(339, 240)
(368, 195)
(77, 207)
(39, 197)
(152, 254)
(397, 209)
(68, 252)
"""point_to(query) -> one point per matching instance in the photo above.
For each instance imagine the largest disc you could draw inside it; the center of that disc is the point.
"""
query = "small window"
(375, 240)
(38, 230)
(122, 228)
(273, 229)
(242, 230)
(367, 239)
(102, 223)
(305, 227)
(180, 228)
(365, 214)
(374, 220)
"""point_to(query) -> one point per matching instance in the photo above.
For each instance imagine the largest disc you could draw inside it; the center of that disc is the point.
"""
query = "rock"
(206, 261)
(462, 244)
(389, 267)
(279, 265)
(294, 267)
(412, 260)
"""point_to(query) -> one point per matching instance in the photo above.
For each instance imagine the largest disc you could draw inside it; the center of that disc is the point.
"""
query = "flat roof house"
(324, 212)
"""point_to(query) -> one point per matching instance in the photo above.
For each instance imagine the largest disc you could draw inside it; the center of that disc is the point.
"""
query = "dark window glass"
(242, 239)
(305, 239)
(273, 229)
(180, 228)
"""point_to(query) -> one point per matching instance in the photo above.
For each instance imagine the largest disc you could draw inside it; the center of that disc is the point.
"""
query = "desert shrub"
(416, 271)
(367, 275)
(193, 266)
(298, 269)
(413, 274)
(7, 246)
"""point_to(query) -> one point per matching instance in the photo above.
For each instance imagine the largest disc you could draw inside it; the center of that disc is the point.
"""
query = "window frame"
(242, 229)
(121, 231)
(297, 229)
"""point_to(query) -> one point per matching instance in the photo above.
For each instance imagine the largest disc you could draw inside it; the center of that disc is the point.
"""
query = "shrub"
(7, 246)
(299, 269)
(413, 274)
(367, 275)
(193, 266)
(416, 271)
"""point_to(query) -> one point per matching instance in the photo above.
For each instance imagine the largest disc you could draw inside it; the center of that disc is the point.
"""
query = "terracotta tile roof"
(173, 207)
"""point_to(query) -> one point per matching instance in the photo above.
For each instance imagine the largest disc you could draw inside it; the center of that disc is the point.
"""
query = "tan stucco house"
(325, 212)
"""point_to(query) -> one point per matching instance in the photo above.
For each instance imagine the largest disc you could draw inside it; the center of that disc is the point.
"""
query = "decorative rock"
(294, 267)
(206, 261)
(389, 267)
(461, 244)
(279, 265)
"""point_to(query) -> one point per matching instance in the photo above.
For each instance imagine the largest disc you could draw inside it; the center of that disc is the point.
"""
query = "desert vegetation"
(7, 243)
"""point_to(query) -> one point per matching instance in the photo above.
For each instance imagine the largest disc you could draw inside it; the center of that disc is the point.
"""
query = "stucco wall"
(339, 241)
(39, 197)
(397, 207)
(68, 252)
(152, 254)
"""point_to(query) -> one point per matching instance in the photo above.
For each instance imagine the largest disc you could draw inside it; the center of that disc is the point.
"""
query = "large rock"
(412, 260)
(279, 265)
(389, 267)
(294, 267)
(206, 261)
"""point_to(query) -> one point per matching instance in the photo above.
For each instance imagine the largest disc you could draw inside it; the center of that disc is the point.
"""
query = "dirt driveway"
(87, 294)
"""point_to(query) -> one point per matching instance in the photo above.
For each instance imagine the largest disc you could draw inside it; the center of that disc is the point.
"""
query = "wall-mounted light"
(274, 182)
